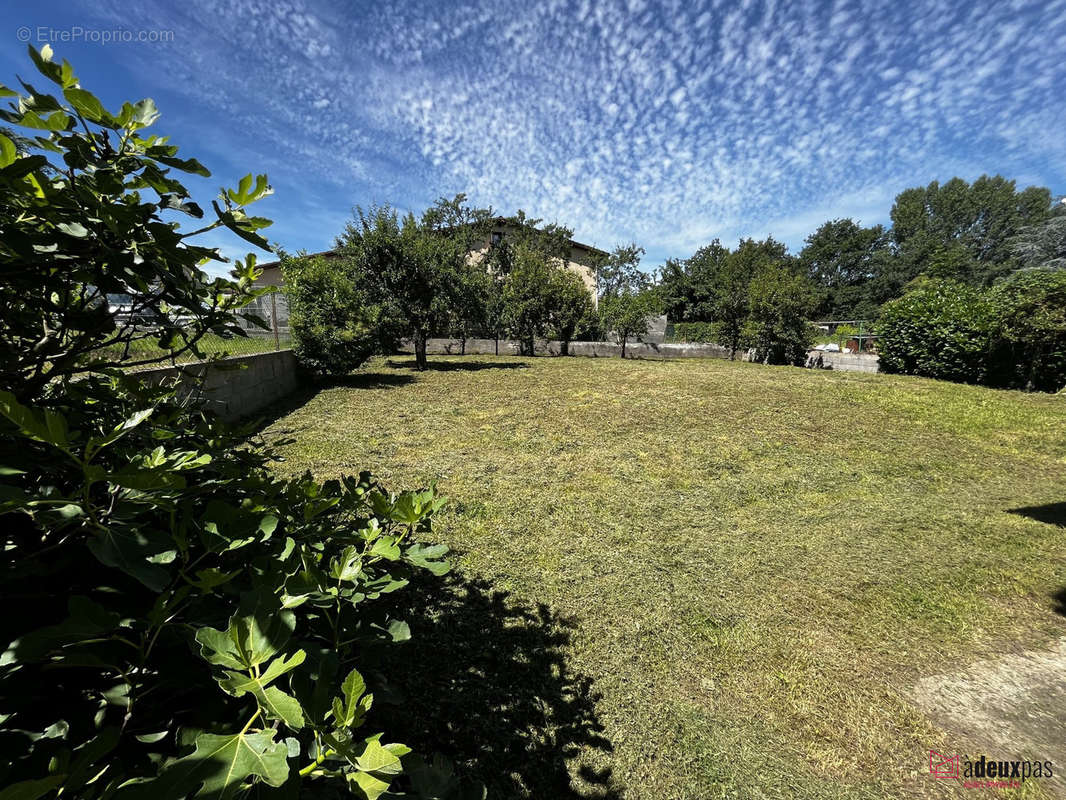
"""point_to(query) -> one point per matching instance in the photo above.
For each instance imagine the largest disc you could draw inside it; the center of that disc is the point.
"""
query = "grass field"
(699, 579)
(210, 345)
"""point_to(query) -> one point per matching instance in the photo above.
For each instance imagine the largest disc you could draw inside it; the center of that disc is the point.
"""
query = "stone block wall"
(233, 387)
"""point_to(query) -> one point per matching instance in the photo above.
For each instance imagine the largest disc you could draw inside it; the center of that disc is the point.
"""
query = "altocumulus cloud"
(666, 123)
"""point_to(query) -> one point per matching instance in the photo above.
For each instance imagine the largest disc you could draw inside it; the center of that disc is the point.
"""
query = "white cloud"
(634, 120)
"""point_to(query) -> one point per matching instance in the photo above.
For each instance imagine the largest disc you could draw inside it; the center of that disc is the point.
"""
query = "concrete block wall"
(848, 362)
(233, 387)
(479, 347)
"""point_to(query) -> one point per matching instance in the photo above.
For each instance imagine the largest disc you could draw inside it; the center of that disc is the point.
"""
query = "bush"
(938, 329)
(780, 303)
(187, 624)
(695, 332)
(1030, 344)
(335, 326)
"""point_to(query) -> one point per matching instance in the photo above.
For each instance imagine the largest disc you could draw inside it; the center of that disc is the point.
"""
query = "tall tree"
(687, 287)
(981, 217)
(730, 302)
(1043, 246)
(841, 258)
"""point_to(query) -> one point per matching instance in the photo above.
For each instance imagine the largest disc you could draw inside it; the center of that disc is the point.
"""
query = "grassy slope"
(757, 562)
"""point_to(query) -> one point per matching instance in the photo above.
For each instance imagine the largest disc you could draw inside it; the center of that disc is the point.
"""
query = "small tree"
(335, 325)
(188, 621)
(571, 305)
(780, 303)
(529, 295)
(626, 313)
(418, 267)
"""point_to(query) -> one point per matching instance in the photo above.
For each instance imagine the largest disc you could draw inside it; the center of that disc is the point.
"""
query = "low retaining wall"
(233, 387)
(848, 362)
(508, 347)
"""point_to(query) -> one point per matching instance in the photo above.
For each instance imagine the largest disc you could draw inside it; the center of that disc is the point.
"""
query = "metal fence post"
(274, 320)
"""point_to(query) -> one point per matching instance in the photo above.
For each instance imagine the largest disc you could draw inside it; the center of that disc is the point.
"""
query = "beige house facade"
(581, 259)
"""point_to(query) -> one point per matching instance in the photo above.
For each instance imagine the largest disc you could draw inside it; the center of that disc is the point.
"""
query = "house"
(581, 258)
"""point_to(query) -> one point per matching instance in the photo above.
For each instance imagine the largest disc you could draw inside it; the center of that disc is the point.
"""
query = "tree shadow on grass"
(486, 684)
(1050, 513)
(457, 366)
(309, 387)
(1059, 599)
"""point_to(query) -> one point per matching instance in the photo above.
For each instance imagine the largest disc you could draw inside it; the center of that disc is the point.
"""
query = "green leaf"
(387, 548)
(190, 165)
(144, 113)
(8, 151)
(378, 759)
(349, 710)
(217, 768)
(367, 786)
(75, 229)
(132, 551)
(31, 790)
(285, 707)
(22, 167)
(44, 64)
(45, 426)
(237, 684)
(97, 443)
(399, 630)
(86, 104)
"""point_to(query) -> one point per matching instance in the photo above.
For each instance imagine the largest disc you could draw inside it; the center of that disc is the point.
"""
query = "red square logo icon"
(942, 766)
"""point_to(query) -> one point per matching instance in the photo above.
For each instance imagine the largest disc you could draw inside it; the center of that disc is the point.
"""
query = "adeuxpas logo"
(983, 770)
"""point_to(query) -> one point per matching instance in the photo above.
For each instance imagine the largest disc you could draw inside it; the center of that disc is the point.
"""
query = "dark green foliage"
(335, 325)
(939, 329)
(695, 332)
(841, 259)
(187, 623)
(1030, 348)
(779, 326)
(981, 218)
(688, 288)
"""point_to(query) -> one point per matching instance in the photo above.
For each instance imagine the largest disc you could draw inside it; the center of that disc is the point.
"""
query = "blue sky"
(667, 124)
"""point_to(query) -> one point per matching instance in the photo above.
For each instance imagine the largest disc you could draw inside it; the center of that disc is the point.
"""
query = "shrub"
(695, 332)
(335, 325)
(938, 329)
(188, 623)
(571, 306)
(1030, 345)
(780, 303)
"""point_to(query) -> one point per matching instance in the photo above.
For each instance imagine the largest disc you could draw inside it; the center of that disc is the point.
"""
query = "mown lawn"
(699, 579)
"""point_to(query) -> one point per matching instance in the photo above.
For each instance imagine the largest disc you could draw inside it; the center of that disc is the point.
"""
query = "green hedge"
(1010, 336)
(694, 332)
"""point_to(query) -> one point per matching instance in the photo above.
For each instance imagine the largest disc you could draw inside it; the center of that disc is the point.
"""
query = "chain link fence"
(272, 308)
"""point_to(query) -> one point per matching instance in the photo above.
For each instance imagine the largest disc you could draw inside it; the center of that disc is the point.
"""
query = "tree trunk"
(529, 345)
(462, 346)
(624, 346)
(497, 342)
(420, 350)
(564, 347)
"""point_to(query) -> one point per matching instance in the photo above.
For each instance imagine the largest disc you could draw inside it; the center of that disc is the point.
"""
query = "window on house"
(497, 238)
